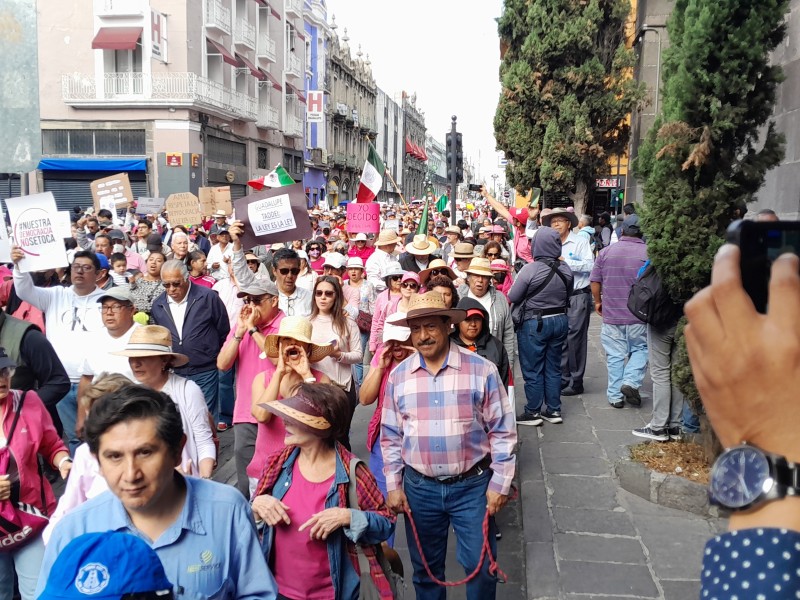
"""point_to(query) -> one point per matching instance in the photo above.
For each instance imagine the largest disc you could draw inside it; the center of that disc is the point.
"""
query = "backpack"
(598, 240)
(649, 301)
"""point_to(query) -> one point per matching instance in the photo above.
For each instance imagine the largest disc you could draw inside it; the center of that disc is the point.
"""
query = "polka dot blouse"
(757, 564)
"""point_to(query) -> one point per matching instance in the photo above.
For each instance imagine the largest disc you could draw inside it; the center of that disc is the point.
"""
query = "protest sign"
(112, 192)
(184, 209)
(364, 217)
(274, 215)
(149, 206)
(63, 224)
(34, 230)
(222, 199)
(206, 195)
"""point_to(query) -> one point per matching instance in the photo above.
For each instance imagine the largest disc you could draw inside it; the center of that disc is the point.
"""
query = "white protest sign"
(271, 215)
(33, 227)
(62, 224)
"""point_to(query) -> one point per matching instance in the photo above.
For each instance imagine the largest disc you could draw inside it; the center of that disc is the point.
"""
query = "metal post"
(453, 171)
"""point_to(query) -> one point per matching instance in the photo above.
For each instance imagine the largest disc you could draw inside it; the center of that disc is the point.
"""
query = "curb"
(671, 491)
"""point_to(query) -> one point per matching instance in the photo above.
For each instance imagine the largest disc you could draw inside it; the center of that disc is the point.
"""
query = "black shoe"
(572, 391)
(631, 394)
(618, 404)
(527, 418)
(650, 433)
(675, 433)
(552, 417)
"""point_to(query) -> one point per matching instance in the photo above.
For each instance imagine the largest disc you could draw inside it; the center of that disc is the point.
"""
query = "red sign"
(363, 217)
(174, 159)
(606, 183)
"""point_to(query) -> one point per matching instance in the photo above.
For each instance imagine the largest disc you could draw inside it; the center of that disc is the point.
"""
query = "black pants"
(573, 357)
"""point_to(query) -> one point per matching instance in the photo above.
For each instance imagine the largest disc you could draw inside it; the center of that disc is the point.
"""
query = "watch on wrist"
(745, 476)
(252, 330)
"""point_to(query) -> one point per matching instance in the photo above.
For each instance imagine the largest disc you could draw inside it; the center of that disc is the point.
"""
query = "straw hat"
(435, 264)
(463, 250)
(453, 229)
(298, 329)
(386, 237)
(301, 412)
(152, 340)
(560, 212)
(421, 246)
(480, 266)
(430, 304)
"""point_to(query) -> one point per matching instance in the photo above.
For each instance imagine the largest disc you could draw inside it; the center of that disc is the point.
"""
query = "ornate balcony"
(294, 8)
(218, 17)
(268, 117)
(294, 126)
(294, 67)
(245, 35)
(266, 49)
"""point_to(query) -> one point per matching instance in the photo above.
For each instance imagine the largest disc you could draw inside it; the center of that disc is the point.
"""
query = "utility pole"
(455, 165)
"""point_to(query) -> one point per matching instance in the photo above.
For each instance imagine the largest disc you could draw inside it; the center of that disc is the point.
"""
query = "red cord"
(486, 551)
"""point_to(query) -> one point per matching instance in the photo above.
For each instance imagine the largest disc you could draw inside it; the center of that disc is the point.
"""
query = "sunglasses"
(252, 262)
(326, 293)
(254, 299)
(396, 277)
(410, 285)
(172, 284)
(492, 255)
(435, 272)
(286, 271)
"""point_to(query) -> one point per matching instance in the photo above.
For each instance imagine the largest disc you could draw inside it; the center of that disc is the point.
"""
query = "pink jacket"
(35, 434)
(383, 305)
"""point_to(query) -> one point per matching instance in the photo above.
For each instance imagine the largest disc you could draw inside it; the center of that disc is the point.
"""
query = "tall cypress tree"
(567, 88)
(708, 153)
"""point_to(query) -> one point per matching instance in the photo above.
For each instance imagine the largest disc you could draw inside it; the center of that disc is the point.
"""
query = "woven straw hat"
(152, 340)
(430, 304)
(480, 266)
(298, 329)
(421, 246)
(463, 250)
(386, 237)
(300, 411)
(435, 264)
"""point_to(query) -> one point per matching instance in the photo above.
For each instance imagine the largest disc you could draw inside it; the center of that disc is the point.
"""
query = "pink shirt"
(203, 280)
(302, 568)
(248, 366)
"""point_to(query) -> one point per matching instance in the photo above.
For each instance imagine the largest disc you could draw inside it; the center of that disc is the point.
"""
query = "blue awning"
(118, 165)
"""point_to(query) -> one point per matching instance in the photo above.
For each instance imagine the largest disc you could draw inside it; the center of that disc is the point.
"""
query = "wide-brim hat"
(453, 229)
(421, 246)
(463, 250)
(391, 269)
(298, 329)
(500, 265)
(430, 304)
(301, 412)
(435, 264)
(387, 237)
(560, 212)
(220, 214)
(152, 340)
(480, 266)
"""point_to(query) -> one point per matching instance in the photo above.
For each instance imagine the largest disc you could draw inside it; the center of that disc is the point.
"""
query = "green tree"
(707, 154)
(567, 88)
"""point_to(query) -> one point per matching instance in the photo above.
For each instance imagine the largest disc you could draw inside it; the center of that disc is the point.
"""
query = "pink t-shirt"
(248, 365)
(302, 567)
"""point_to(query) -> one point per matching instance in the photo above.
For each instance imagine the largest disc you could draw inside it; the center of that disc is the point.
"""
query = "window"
(263, 158)
(226, 151)
(101, 142)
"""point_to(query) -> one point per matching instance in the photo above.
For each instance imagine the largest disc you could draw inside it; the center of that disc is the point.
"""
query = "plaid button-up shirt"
(443, 424)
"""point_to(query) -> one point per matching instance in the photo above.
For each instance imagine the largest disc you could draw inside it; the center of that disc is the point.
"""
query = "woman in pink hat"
(501, 273)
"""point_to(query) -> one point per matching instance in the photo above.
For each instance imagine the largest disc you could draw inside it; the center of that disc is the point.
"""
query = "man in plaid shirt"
(447, 437)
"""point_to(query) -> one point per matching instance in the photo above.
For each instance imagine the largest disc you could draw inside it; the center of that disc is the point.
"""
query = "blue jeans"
(435, 507)
(691, 424)
(27, 561)
(209, 384)
(227, 394)
(68, 413)
(376, 468)
(624, 343)
(358, 368)
(540, 361)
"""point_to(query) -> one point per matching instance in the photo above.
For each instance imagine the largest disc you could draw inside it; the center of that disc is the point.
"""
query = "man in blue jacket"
(198, 322)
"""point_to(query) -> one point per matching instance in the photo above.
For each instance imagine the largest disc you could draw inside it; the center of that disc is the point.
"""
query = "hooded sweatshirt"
(546, 249)
(486, 345)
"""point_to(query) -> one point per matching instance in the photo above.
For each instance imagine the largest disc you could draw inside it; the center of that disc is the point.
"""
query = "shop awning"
(93, 164)
(117, 38)
(293, 90)
(409, 147)
(254, 70)
(275, 83)
(275, 13)
(226, 55)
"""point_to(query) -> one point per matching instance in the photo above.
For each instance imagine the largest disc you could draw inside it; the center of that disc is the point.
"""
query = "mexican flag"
(371, 177)
(441, 204)
(423, 220)
(278, 178)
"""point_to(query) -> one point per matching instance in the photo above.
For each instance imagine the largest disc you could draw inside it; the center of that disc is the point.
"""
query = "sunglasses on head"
(286, 271)
(326, 293)
(410, 285)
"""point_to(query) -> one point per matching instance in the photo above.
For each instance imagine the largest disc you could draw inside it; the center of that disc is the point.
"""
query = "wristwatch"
(745, 476)
(252, 330)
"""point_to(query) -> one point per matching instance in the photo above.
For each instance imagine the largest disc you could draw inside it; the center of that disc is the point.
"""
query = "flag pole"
(397, 189)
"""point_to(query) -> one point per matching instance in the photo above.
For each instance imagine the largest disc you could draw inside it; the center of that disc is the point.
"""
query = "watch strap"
(252, 330)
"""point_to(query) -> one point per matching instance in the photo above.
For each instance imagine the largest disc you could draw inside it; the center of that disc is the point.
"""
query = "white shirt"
(100, 358)
(296, 305)
(376, 267)
(577, 253)
(178, 310)
(216, 255)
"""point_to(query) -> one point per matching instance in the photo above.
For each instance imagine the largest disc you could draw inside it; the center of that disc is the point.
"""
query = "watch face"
(738, 477)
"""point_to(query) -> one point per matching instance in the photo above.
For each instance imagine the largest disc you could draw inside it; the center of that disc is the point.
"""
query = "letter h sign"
(315, 106)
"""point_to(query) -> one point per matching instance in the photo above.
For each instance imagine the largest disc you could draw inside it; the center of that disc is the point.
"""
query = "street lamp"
(494, 184)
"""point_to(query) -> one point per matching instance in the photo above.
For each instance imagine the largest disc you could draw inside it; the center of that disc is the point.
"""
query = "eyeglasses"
(396, 277)
(285, 271)
(252, 262)
(114, 308)
(7, 372)
(312, 250)
(410, 285)
(255, 299)
(172, 284)
(326, 293)
(492, 255)
(81, 268)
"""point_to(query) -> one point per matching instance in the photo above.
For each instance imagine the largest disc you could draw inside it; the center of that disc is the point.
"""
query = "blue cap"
(103, 260)
(105, 565)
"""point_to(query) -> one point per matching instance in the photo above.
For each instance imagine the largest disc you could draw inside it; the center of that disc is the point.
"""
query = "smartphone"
(761, 243)
(475, 187)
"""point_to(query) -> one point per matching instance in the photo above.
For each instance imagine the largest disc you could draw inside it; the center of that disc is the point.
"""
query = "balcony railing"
(340, 158)
(122, 8)
(268, 117)
(294, 126)
(294, 8)
(156, 90)
(266, 49)
(352, 161)
(294, 68)
(218, 16)
(245, 35)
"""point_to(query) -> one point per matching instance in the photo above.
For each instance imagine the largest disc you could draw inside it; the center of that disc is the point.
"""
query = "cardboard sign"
(112, 192)
(206, 195)
(222, 199)
(364, 217)
(184, 209)
(35, 230)
(274, 215)
(149, 206)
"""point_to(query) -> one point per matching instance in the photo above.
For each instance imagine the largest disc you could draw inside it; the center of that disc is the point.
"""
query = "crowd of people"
(158, 336)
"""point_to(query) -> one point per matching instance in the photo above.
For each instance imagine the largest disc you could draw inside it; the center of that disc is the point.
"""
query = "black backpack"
(650, 302)
(598, 240)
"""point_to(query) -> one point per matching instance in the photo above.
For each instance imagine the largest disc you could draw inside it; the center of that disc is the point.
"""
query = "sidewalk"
(584, 536)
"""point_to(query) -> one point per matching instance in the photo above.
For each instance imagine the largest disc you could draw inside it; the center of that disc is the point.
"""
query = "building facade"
(414, 170)
(315, 156)
(390, 145)
(437, 165)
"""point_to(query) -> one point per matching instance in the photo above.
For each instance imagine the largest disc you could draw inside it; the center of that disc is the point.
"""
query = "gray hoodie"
(546, 248)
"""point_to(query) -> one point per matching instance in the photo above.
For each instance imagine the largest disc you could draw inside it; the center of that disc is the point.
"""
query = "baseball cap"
(103, 260)
(439, 224)
(154, 242)
(258, 287)
(335, 260)
(360, 237)
(106, 566)
(122, 294)
(116, 234)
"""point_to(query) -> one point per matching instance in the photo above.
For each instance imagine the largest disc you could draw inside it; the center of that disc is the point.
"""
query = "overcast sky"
(447, 51)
